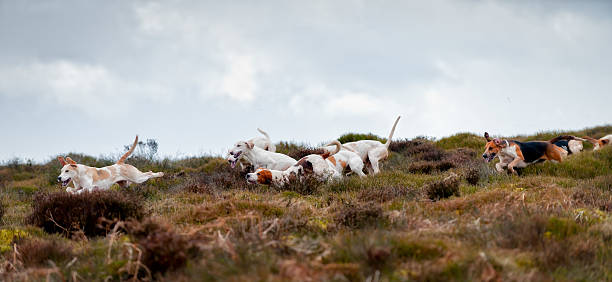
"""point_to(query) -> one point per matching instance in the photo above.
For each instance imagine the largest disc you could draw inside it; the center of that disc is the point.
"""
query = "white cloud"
(240, 82)
(90, 89)
(321, 100)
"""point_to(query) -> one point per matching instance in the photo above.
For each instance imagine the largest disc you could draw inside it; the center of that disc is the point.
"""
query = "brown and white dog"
(514, 154)
(372, 151)
(86, 178)
(599, 143)
(330, 165)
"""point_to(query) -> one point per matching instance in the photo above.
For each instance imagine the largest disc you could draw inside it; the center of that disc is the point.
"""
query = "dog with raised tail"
(323, 167)
(514, 154)
(86, 178)
(372, 152)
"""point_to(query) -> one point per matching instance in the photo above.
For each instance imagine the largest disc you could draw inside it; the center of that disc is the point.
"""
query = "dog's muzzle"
(65, 182)
(234, 159)
(249, 180)
(489, 157)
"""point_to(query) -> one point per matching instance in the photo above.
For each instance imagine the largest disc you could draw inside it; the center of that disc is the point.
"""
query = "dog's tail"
(565, 137)
(591, 140)
(129, 152)
(338, 147)
(392, 131)
(271, 146)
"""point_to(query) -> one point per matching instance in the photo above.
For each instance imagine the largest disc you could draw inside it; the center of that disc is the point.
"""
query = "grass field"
(435, 213)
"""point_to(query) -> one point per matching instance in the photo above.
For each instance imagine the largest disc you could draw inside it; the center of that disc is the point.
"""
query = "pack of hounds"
(336, 161)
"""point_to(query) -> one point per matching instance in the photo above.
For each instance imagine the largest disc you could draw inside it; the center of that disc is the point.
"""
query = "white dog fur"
(258, 157)
(86, 178)
(372, 152)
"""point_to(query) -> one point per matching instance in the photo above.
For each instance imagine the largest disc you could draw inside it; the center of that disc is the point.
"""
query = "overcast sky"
(86, 76)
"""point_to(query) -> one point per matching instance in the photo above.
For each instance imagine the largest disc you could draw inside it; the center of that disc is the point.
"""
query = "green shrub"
(352, 137)
(462, 140)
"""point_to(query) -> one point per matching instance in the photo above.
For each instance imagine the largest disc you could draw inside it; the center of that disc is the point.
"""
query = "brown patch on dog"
(306, 165)
(553, 152)
(343, 164)
(264, 177)
(519, 153)
(332, 160)
(98, 174)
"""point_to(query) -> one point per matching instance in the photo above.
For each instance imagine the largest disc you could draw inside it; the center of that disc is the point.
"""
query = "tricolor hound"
(514, 154)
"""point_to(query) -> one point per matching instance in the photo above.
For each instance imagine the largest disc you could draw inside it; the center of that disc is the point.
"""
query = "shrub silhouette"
(445, 188)
(37, 252)
(359, 215)
(163, 249)
(66, 213)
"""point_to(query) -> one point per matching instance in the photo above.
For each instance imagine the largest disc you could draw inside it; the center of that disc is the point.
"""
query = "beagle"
(514, 154)
(86, 178)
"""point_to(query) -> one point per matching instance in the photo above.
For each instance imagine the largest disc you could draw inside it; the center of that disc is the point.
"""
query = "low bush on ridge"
(67, 213)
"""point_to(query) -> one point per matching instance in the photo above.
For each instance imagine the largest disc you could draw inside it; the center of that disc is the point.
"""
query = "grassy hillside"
(436, 213)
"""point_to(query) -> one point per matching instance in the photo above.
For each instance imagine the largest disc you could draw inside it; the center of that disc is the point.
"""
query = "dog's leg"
(356, 166)
(512, 164)
(142, 177)
(500, 167)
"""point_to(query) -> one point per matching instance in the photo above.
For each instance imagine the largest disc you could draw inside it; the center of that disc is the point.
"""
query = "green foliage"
(352, 137)
(581, 166)
(551, 223)
(462, 140)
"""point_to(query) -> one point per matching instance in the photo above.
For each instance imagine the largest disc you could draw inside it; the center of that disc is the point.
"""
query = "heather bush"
(445, 188)
(163, 248)
(38, 252)
(67, 213)
(358, 215)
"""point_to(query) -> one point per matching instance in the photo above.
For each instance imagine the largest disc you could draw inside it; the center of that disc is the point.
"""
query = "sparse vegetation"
(435, 213)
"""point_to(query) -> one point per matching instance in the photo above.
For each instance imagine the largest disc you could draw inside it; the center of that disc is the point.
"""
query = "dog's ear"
(605, 141)
(250, 144)
(486, 136)
(61, 160)
(497, 142)
(70, 161)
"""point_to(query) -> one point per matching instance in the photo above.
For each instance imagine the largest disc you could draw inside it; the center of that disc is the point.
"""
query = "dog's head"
(236, 152)
(260, 176)
(68, 171)
(492, 147)
(600, 143)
